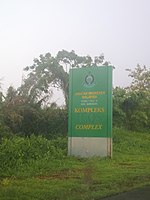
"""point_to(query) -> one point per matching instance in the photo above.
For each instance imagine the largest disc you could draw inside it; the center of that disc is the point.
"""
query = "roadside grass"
(70, 178)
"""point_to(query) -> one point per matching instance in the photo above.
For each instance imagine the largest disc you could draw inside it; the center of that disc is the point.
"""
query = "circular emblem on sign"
(89, 80)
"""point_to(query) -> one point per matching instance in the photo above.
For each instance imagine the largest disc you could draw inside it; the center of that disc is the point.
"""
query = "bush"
(5, 132)
(54, 123)
(17, 152)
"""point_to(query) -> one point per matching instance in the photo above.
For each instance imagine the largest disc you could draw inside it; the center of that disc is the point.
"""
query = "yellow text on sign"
(88, 110)
(88, 126)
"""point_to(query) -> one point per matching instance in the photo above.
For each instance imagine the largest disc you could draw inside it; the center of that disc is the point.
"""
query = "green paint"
(90, 102)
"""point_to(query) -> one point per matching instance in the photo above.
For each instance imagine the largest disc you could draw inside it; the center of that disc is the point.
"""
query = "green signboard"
(90, 102)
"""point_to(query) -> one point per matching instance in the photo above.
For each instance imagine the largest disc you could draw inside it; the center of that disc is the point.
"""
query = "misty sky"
(118, 28)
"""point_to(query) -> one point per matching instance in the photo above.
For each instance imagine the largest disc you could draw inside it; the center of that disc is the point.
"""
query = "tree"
(49, 71)
(119, 116)
(22, 109)
(131, 104)
(137, 102)
(141, 79)
(4, 129)
(1, 94)
(23, 114)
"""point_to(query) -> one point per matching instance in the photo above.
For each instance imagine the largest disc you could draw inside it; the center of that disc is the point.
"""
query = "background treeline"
(131, 105)
(28, 109)
(24, 118)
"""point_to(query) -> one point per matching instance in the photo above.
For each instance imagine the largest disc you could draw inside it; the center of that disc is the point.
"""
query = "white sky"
(118, 28)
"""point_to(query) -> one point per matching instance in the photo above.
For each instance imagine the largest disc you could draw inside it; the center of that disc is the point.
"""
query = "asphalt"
(138, 194)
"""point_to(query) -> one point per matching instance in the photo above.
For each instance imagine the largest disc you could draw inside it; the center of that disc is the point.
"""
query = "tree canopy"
(49, 71)
(22, 111)
(131, 104)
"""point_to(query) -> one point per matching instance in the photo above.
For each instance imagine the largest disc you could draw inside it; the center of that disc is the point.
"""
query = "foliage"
(141, 79)
(131, 104)
(17, 152)
(21, 116)
(49, 71)
(58, 176)
(119, 116)
(138, 100)
(54, 122)
(5, 132)
(28, 110)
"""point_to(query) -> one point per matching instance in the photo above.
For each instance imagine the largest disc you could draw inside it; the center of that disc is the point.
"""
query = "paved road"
(138, 194)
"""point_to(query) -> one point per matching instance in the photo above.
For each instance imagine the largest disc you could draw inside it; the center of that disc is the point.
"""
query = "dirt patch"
(63, 175)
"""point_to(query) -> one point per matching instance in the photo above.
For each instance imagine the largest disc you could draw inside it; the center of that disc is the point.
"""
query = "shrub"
(5, 132)
(18, 151)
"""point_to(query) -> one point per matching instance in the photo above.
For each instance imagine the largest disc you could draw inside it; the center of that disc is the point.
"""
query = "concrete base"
(89, 146)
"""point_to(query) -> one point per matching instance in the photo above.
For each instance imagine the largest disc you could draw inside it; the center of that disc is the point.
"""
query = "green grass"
(61, 177)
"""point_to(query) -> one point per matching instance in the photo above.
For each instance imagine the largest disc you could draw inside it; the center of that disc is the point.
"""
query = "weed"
(37, 168)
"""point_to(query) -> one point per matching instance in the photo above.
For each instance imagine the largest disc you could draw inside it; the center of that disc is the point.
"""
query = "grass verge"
(72, 178)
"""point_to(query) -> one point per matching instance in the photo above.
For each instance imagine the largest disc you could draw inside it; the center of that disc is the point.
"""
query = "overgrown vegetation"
(27, 110)
(131, 104)
(33, 142)
(17, 153)
(36, 168)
